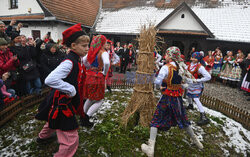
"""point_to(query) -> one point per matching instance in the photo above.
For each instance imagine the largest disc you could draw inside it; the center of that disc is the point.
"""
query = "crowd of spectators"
(25, 62)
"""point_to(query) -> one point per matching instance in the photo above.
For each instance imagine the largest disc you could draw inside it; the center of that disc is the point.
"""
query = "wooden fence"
(234, 112)
(13, 108)
(238, 114)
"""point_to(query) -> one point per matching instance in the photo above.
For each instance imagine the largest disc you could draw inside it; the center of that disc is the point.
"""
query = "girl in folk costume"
(81, 84)
(235, 74)
(97, 64)
(218, 59)
(59, 108)
(114, 59)
(195, 86)
(170, 111)
(209, 62)
(131, 56)
(227, 66)
(246, 81)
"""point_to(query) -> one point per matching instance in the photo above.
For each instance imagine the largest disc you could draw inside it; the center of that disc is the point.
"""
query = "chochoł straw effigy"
(142, 102)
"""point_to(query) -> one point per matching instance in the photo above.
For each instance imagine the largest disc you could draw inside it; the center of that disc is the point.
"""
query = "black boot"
(203, 119)
(109, 88)
(190, 107)
(85, 122)
(46, 140)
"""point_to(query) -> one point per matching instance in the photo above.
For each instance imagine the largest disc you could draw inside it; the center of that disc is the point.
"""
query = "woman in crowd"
(227, 66)
(218, 59)
(209, 62)
(50, 59)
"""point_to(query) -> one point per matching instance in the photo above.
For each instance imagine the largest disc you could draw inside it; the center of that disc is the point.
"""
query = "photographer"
(47, 38)
(10, 29)
(27, 56)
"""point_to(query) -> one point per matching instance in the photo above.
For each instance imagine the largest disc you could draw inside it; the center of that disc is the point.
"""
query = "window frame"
(13, 4)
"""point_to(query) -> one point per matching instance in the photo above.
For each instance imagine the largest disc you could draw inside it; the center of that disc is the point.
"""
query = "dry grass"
(143, 100)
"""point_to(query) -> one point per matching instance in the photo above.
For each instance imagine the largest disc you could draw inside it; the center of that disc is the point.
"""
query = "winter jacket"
(5, 36)
(49, 62)
(7, 63)
(25, 55)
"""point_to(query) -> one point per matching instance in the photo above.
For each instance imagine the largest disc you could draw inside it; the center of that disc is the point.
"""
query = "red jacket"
(7, 63)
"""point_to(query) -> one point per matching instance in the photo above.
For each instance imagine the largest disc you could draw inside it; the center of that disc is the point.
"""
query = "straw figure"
(143, 101)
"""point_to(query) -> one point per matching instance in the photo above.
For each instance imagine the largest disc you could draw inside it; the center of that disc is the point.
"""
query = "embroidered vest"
(195, 72)
(172, 82)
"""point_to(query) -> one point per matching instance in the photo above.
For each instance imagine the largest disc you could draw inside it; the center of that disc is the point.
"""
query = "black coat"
(125, 55)
(25, 55)
(244, 65)
(49, 62)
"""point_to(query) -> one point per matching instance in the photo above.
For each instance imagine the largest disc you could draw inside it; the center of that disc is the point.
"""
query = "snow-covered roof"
(227, 23)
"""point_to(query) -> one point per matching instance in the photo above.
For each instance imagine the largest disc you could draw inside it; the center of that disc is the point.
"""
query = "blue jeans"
(34, 86)
(12, 92)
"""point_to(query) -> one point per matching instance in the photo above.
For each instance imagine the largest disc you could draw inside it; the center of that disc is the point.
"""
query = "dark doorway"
(36, 34)
(180, 45)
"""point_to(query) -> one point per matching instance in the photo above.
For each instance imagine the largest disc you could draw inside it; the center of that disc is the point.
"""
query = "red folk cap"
(71, 34)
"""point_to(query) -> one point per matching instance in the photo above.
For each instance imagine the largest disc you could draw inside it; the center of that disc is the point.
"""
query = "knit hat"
(174, 53)
(2, 23)
(71, 34)
(3, 42)
(14, 35)
(197, 55)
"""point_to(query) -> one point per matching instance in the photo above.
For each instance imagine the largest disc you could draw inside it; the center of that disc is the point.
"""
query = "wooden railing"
(234, 112)
(238, 114)
(13, 108)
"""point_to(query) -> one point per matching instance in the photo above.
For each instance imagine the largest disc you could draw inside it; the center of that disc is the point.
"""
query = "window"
(167, 1)
(182, 16)
(13, 4)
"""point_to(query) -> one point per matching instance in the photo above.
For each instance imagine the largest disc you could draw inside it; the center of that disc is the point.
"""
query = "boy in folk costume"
(59, 108)
(114, 59)
(196, 86)
(97, 64)
(170, 110)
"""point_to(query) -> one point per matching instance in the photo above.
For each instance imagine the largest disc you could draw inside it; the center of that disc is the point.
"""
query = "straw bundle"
(142, 100)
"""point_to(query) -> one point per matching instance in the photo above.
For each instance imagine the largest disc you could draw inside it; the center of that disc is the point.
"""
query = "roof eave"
(116, 33)
(234, 41)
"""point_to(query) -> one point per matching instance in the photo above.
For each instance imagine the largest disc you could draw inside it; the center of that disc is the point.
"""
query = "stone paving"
(228, 94)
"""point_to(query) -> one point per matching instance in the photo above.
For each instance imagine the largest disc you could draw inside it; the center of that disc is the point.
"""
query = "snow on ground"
(237, 135)
(234, 130)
